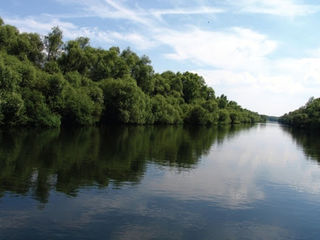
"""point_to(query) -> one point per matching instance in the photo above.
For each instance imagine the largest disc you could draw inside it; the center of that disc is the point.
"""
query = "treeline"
(272, 118)
(45, 82)
(308, 116)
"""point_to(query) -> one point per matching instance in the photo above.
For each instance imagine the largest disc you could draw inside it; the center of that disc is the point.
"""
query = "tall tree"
(53, 43)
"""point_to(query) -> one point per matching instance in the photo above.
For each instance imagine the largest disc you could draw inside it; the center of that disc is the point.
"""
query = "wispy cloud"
(127, 13)
(286, 8)
(117, 10)
(30, 24)
(72, 31)
(184, 11)
(108, 9)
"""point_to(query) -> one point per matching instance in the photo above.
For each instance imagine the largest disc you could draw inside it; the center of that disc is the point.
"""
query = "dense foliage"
(46, 82)
(307, 116)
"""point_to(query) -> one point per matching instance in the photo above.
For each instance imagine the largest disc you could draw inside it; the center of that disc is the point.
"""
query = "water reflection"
(241, 173)
(159, 183)
(308, 139)
(34, 162)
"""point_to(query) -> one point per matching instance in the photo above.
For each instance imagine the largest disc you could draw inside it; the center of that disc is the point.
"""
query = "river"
(160, 182)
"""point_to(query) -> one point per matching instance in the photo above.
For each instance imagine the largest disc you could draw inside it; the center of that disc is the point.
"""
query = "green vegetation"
(46, 83)
(307, 116)
(272, 118)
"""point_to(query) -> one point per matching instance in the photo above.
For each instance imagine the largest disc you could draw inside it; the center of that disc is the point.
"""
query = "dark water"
(248, 182)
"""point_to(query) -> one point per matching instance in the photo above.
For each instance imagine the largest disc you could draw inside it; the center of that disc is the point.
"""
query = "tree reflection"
(308, 139)
(35, 162)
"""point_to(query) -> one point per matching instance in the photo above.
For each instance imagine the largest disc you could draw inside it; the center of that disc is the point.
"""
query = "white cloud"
(136, 39)
(286, 8)
(264, 93)
(183, 11)
(235, 48)
(280, 86)
(71, 31)
(31, 24)
(43, 26)
(238, 63)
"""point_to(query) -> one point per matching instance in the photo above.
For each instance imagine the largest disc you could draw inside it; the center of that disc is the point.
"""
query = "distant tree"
(307, 116)
(311, 99)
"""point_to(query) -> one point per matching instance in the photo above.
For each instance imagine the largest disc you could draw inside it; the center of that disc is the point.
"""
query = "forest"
(45, 82)
(307, 116)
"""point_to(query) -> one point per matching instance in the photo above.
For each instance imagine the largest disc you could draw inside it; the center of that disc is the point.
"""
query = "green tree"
(53, 43)
(124, 101)
(164, 112)
(224, 116)
(222, 101)
(30, 46)
(13, 109)
(37, 111)
(192, 85)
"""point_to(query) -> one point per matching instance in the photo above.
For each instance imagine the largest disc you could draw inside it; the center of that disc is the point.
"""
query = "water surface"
(127, 182)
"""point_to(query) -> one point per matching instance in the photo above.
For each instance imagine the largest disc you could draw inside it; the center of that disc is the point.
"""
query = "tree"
(12, 107)
(192, 85)
(224, 116)
(83, 42)
(8, 38)
(53, 43)
(164, 112)
(9, 79)
(38, 112)
(30, 46)
(305, 117)
(198, 115)
(124, 101)
(222, 101)
(140, 70)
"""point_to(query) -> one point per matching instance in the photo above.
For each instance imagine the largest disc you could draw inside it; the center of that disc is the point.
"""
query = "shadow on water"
(308, 139)
(34, 162)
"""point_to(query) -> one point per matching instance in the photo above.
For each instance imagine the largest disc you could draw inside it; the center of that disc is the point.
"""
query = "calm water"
(249, 182)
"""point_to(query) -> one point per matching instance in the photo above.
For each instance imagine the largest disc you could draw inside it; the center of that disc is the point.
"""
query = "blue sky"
(264, 54)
